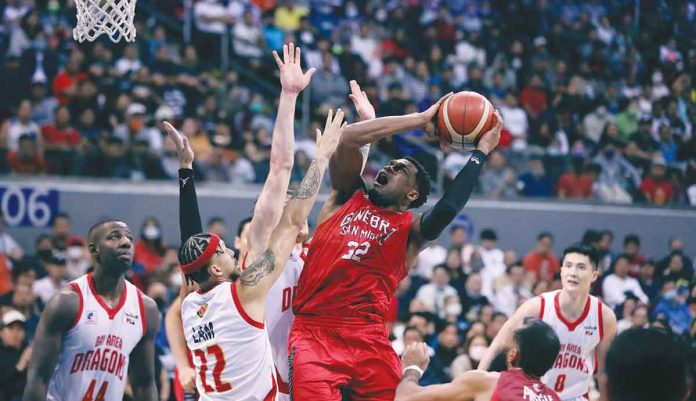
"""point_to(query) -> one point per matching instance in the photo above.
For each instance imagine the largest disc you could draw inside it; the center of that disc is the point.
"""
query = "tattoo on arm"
(261, 268)
(310, 183)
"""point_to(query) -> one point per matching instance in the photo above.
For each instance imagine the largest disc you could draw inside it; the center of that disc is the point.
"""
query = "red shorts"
(328, 362)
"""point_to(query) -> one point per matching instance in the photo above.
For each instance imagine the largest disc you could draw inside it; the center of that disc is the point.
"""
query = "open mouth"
(382, 178)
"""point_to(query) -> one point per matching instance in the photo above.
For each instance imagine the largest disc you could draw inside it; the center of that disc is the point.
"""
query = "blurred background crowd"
(597, 96)
(456, 298)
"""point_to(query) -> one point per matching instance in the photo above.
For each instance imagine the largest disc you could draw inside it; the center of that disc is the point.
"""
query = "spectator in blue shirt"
(535, 183)
(674, 309)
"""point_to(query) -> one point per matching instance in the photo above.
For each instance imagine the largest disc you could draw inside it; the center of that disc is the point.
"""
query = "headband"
(204, 258)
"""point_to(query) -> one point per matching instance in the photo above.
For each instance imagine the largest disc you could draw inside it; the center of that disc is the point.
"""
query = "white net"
(111, 17)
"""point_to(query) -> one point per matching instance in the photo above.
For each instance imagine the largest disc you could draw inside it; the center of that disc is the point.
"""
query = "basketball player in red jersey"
(269, 205)
(533, 352)
(584, 325)
(362, 248)
(95, 328)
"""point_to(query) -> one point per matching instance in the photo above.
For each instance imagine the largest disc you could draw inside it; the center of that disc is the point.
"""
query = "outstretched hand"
(292, 79)
(183, 148)
(429, 116)
(489, 140)
(327, 142)
(362, 104)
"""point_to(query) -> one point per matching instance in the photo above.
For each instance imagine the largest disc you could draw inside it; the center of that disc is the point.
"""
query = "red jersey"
(355, 262)
(515, 385)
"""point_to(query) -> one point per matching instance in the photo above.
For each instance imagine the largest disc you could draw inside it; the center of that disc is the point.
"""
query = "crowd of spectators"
(455, 298)
(598, 97)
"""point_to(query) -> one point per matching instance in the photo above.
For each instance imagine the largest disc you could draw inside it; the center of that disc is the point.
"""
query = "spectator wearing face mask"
(149, 251)
(76, 259)
(433, 294)
(474, 350)
(674, 309)
(618, 178)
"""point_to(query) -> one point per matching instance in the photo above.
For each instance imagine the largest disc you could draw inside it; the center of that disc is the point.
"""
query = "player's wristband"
(413, 367)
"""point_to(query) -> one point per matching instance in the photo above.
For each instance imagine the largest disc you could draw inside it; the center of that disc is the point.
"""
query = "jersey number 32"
(356, 251)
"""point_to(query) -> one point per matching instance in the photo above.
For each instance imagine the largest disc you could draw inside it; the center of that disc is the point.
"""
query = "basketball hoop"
(111, 17)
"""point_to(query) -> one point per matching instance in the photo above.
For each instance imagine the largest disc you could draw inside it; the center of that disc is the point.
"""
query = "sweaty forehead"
(110, 226)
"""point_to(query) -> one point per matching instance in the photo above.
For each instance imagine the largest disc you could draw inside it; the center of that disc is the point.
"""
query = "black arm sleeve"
(189, 215)
(435, 219)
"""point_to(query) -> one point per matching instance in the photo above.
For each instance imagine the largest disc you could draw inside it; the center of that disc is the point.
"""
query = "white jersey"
(93, 361)
(231, 352)
(571, 374)
(279, 315)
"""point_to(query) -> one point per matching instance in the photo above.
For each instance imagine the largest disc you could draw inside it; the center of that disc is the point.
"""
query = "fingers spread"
(298, 53)
(277, 59)
(286, 57)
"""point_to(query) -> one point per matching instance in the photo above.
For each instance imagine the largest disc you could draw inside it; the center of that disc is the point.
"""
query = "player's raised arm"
(259, 276)
(347, 163)
(609, 323)
(57, 318)
(430, 225)
(463, 388)
(189, 224)
(269, 205)
(530, 308)
(141, 372)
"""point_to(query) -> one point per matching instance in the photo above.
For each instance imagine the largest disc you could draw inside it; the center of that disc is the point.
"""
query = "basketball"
(463, 118)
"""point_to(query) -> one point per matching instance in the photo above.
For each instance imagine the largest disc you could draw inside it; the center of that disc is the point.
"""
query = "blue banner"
(28, 207)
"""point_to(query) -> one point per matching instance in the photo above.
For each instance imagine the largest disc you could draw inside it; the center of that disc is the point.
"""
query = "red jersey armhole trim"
(271, 396)
(109, 311)
(601, 319)
(82, 304)
(282, 386)
(543, 305)
(240, 308)
(143, 318)
(571, 325)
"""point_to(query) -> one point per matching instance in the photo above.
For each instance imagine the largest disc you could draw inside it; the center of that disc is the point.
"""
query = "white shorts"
(286, 397)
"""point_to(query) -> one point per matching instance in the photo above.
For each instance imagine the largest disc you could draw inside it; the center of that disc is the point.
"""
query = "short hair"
(428, 316)
(621, 256)
(59, 215)
(242, 223)
(606, 232)
(443, 268)
(631, 239)
(191, 250)
(544, 234)
(215, 219)
(92, 230)
(591, 236)
(488, 234)
(646, 365)
(422, 182)
(583, 249)
(538, 346)
(412, 328)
